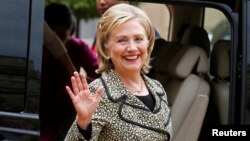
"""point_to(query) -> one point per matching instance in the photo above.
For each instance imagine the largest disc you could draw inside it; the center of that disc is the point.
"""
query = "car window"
(219, 28)
(13, 54)
(160, 20)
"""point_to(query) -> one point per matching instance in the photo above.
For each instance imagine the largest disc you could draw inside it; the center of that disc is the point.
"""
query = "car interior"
(192, 64)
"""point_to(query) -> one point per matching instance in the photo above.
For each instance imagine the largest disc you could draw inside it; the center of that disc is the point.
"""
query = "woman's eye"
(121, 41)
(139, 39)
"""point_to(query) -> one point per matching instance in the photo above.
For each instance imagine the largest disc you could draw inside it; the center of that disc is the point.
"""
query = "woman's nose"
(132, 46)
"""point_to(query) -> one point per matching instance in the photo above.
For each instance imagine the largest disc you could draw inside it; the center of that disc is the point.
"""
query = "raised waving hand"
(84, 101)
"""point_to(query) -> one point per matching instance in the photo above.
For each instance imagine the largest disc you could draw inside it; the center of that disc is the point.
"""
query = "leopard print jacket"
(121, 116)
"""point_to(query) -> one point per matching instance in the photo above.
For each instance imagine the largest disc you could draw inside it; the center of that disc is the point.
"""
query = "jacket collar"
(130, 103)
(118, 91)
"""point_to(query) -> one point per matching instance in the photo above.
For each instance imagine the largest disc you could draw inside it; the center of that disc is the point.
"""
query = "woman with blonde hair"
(123, 104)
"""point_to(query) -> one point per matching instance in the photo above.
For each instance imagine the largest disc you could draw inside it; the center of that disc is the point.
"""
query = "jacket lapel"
(131, 104)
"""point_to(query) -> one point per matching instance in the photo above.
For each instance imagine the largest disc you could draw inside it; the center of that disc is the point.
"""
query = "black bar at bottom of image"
(220, 132)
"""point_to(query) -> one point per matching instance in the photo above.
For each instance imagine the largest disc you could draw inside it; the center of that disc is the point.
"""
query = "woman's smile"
(131, 57)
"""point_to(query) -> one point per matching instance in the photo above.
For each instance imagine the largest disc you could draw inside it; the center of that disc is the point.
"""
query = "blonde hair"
(113, 17)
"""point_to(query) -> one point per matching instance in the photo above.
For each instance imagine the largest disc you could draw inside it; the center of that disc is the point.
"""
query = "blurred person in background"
(56, 109)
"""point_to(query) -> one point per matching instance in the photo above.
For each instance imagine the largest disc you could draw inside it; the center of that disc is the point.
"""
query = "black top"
(148, 100)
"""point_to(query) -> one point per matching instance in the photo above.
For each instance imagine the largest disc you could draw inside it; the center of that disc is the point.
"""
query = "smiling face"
(124, 34)
(127, 47)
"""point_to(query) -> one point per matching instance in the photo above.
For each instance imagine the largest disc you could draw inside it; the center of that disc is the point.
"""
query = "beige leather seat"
(180, 69)
(161, 56)
(219, 68)
(188, 93)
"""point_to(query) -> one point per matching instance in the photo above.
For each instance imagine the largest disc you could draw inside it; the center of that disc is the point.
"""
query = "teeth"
(131, 57)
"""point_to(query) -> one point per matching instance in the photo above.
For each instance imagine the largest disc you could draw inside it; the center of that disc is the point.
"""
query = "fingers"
(79, 84)
(84, 81)
(71, 94)
(74, 85)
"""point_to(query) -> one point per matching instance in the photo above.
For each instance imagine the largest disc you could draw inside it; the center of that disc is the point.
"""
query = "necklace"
(137, 91)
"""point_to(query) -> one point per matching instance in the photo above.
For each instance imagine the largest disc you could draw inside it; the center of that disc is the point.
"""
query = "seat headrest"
(191, 59)
(219, 64)
(198, 36)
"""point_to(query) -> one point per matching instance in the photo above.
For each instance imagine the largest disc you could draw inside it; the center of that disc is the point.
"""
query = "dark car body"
(20, 68)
